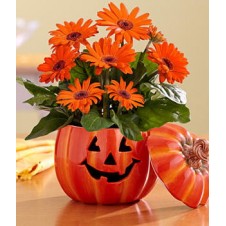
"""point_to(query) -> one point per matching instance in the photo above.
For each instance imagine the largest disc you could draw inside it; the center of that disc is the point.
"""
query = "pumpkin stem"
(197, 153)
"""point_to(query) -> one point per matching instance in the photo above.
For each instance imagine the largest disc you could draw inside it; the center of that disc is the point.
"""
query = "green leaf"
(42, 99)
(63, 85)
(77, 72)
(138, 73)
(53, 89)
(20, 80)
(32, 88)
(115, 74)
(157, 112)
(146, 90)
(149, 65)
(134, 63)
(127, 126)
(169, 91)
(93, 121)
(53, 121)
(81, 71)
(143, 69)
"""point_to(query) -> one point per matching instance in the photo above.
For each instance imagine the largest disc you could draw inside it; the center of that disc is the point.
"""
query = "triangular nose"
(110, 160)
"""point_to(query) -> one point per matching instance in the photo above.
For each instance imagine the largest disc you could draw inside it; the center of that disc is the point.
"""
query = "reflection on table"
(41, 201)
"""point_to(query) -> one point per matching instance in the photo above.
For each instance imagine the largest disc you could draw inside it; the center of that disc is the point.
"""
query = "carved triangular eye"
(93, 146)
(123, 147)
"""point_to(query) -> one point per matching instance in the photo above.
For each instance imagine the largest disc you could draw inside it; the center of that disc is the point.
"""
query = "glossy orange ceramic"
(102, 167)
(180, 159)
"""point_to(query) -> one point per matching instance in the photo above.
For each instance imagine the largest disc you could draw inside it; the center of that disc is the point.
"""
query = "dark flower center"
(73, 36)
(125, 24)
(168, 63)
(59, 65)
(81, 95)
(108, 59)
(124, 94)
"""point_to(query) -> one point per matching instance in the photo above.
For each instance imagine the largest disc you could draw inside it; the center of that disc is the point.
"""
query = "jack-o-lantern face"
(113, 153)
(103, 166)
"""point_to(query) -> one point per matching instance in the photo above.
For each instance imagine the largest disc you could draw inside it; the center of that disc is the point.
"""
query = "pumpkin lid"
(180, 159)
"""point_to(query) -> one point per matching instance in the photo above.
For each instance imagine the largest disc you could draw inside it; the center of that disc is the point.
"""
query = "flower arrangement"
(107, 83)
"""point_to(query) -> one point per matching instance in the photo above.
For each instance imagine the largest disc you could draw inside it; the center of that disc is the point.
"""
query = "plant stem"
(145, 50)
(106, 81)
(147, 46)
(119, 109)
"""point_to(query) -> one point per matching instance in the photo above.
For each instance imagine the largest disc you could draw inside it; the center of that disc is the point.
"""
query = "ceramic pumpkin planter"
(102, 167)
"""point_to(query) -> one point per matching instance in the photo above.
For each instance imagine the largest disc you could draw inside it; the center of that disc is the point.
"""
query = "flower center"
(81, 95)
(125, 24)
(168, 63)
(197, 153)
(108, 59)
(73, 36)
(124, 94)
(59, 65)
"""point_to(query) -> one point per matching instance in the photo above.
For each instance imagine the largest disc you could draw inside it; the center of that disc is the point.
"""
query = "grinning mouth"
(111, 176)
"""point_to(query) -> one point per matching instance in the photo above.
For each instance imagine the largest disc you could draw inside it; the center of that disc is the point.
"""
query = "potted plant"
(103, 98)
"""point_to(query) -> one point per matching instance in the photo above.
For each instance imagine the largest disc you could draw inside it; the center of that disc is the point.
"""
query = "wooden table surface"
(42, 202)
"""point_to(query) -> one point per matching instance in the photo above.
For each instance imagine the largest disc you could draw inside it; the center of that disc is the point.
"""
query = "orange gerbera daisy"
(58, 66)
(125, 95)
(106, 54)
(73, 33)
(156, 36)
(171, 62)
(123, 24)
(80, 97)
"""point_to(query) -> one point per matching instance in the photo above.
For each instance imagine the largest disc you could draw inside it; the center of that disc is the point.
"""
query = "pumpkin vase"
(102, 167)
